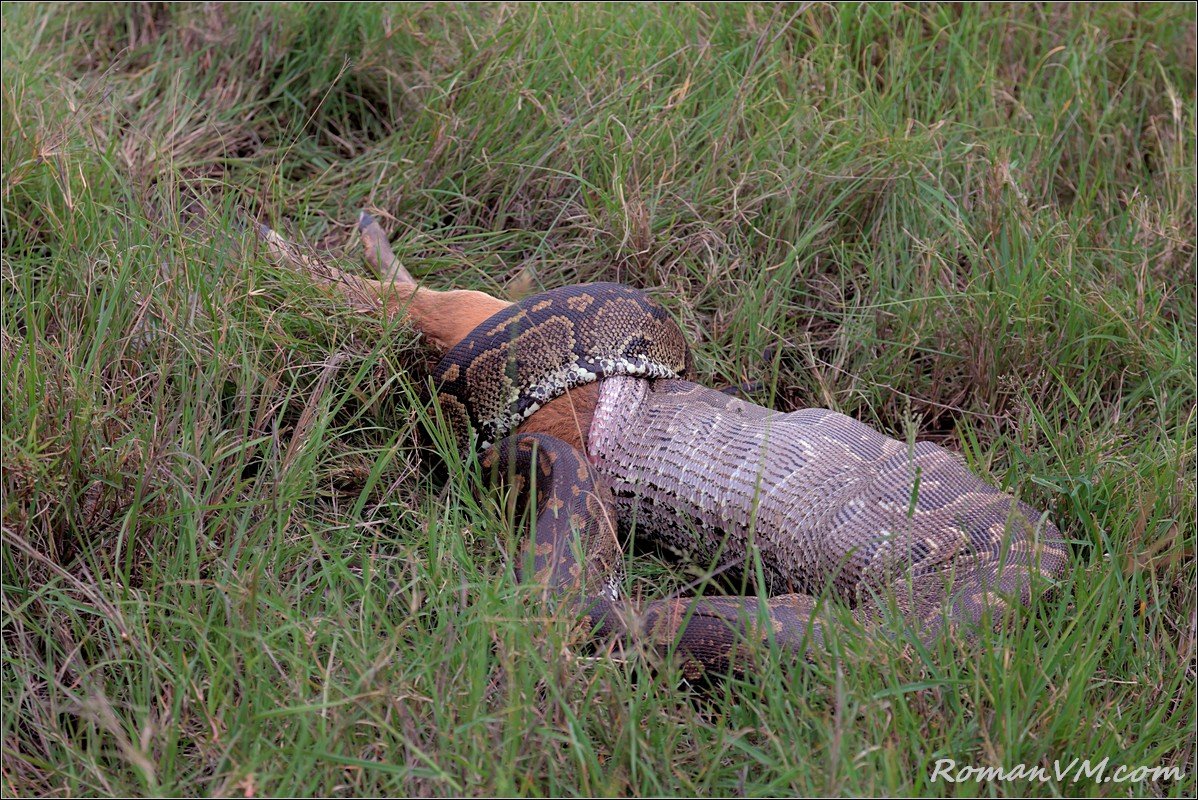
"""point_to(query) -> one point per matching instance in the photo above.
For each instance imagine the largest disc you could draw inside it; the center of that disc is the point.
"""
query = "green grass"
(238, 556)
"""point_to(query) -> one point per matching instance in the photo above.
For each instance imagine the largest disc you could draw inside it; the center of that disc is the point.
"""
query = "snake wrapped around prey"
(813, 503)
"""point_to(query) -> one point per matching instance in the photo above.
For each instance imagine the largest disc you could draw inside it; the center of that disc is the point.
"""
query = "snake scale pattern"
(811, 506)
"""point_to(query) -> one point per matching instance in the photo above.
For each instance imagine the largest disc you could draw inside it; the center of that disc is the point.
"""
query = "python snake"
(812, 505)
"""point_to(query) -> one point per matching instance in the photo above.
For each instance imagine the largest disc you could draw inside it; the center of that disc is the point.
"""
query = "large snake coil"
(824, 506)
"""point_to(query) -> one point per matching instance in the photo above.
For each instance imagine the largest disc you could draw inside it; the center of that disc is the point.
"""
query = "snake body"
(533, 351)
(815, 503)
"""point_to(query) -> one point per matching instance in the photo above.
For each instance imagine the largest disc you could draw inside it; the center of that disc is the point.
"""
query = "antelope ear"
(445, 318)
(379, 255)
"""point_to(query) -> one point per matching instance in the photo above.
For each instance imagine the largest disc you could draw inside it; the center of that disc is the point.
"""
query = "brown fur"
(446, 318)
(567, 417)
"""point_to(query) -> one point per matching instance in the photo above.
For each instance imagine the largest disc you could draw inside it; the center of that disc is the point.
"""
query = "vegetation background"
(233, 565)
